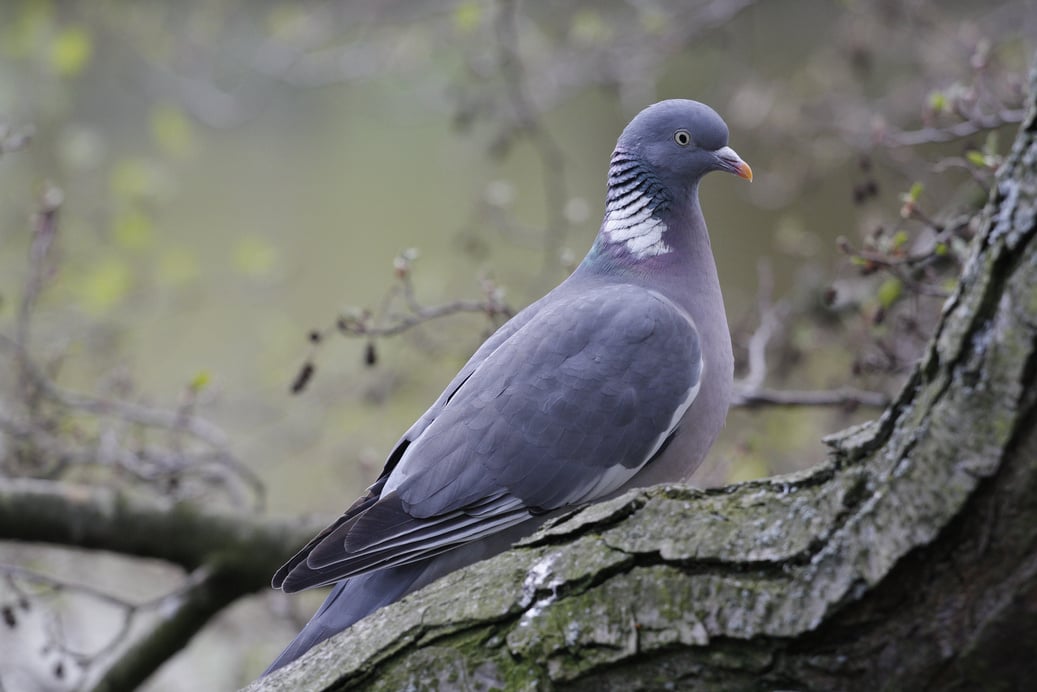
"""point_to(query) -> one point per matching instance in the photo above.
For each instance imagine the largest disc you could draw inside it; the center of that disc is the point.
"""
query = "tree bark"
(907, 561)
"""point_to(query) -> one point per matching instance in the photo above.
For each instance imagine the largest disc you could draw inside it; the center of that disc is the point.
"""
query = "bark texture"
(907, 561)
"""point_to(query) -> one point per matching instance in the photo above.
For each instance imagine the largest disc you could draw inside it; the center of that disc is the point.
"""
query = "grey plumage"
(619, 377)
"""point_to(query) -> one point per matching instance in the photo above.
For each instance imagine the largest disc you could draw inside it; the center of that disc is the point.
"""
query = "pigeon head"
(653, 180)
(680, 141)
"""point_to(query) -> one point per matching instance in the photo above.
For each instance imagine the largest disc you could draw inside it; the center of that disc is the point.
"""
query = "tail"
(357, 597)
(349, 601)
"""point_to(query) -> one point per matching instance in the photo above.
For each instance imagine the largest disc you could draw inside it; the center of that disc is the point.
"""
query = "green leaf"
(254, 256)
(899, 238)
(70, 51)
(941, 249)
(30, 29)
(976, 158)
(136, 179)
(890, 292)
(287, 22)
(915, 192)
(133, 230)
(937, 101)
(200, 381)
(589, 28)
(173, 132)
(177, 267)
(467, 16)
(105, 285)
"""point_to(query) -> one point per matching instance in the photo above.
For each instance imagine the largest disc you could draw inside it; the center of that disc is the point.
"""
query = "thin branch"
(750, 392)
(402, 323)
(56, 584)
(527, 118)
(46, 429)
(130, 412)
(769, 324)
(60, 586)
(846, 397)
(387, 322)
(975, 124)
(179, 421)
(14, 139)
(44, 238)
(208, 593)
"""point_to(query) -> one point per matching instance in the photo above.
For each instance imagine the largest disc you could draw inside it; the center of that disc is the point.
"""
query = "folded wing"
(564, 410)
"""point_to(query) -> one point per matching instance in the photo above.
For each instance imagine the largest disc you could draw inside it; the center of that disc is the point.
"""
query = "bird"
(619, 377)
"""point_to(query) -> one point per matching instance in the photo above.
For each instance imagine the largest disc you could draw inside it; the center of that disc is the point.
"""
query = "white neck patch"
(629, 220)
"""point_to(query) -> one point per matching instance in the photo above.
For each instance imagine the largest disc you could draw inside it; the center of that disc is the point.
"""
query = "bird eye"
(682, 137)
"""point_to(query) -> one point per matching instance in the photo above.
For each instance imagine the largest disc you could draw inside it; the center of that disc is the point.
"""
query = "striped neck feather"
(636, 199)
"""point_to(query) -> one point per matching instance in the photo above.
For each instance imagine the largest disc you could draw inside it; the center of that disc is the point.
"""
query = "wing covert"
(565, 409)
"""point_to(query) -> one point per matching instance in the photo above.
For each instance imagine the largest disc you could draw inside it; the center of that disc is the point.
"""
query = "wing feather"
(565, 407)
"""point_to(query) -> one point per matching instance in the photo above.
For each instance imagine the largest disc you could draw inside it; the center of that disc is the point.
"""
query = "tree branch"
(846, 397)
(230, 556)
(966, 128)
(180, 533)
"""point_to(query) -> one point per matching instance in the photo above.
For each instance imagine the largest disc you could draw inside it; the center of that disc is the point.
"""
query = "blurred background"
(224, 179)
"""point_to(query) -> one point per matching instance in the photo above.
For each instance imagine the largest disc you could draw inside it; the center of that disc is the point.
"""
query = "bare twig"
(845, 397)
(41, 250)
(47, 417)
(132, 413)
(13, 139)
(59, 587)
(125, 452)
(750, 391)
(526, 117)
(388, 322)
(55, 584)
(207, 592)
(976, 123)
(769, 324)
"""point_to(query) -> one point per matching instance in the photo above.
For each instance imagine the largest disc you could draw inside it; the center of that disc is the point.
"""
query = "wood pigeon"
(619, 377)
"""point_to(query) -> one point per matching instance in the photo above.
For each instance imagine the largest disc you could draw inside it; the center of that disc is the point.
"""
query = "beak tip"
(729, 160)
(744, 171)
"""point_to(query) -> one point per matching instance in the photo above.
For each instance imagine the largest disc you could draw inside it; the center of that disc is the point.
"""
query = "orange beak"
(742, 170)
(730, 161)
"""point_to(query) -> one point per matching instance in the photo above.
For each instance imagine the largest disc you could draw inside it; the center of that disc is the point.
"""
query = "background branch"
(115, 521)
(228, 556)
(208, 592)
(845, 397)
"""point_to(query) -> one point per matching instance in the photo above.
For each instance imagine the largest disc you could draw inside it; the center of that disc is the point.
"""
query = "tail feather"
(359, 596)
(349, 601)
